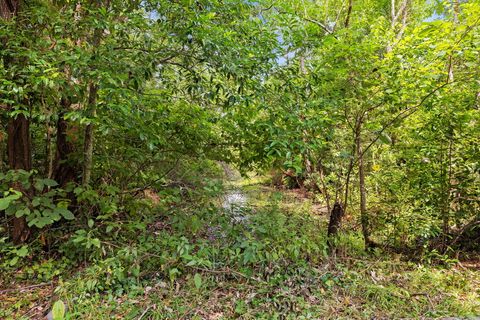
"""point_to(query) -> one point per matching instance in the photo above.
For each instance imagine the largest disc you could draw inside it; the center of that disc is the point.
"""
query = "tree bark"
(19, 157)
(349, 13)
(448, 188)
(395, 15)
(448, 176)
(8, 8)
(66, 168)
(334, 223)
(350, 167)
(48, 151)
(91, 109)
(363, 193)
(18, 141)
(88, 140)
(324, 190)
(3, 162)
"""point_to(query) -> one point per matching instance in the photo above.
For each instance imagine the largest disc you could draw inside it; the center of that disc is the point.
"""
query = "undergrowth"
(191, 260)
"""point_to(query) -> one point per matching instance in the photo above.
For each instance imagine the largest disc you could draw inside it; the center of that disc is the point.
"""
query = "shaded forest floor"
(252, 253)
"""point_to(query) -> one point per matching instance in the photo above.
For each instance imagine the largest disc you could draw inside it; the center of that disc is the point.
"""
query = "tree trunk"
(335, 221)
(48, 152)
(91, 109)
(350, 169)
(3, 162)
(8, 8)
(448, 176)
(349, 13)
(88, 142)
(66, 168)
(19, 157)
(363, 193)
(18, 141)
(324, 189)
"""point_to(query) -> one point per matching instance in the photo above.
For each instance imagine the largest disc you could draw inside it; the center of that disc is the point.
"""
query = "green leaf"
(22, 252)
(4, 203)
(173, 273)
(22, 212)
(90, 223)
(67, 214)
(54, 215)
(58, 310)
(198, 280)
(13, 261)
(36, 202)
(96, 242)
(43, 221)
(385, 138)
(39, 185)
(50, 182)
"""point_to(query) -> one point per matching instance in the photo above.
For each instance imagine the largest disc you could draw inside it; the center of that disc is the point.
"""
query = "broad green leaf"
(5, 203)
(198, 280)
(50, 182)
(385, 138)
(39, 185)
(67, 214)
(58, 310)
(22, 252)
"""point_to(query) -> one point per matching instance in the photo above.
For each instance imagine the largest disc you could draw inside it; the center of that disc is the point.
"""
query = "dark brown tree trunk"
(48, 152)
(19, 157)
(3, 146)
(66, 167)
(349, 13)
(18, 142)
(8, 8)
(335, 222)
(335, 219)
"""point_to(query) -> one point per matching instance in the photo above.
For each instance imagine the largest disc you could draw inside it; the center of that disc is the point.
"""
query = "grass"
(336, 289)
(274, 267)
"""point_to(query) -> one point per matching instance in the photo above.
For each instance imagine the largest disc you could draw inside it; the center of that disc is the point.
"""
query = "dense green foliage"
(397, 100)
(121, 121)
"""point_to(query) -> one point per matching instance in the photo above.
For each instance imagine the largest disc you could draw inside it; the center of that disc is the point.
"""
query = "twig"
(316, 22)
(26, 288)
(228, 271)
(135, 190)
(425, 295)
(404, 114)
(472, 223)
(144, 312)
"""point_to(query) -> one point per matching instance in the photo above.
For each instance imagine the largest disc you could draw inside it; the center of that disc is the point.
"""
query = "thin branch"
(26, 288)
(228, 271)
(349, 13)
(135, 190)
(267, 8)
(144, 312)
(404, 114)
(318, 23)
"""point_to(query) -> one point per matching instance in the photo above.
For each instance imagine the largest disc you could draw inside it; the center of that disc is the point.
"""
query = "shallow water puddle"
(234, 202)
